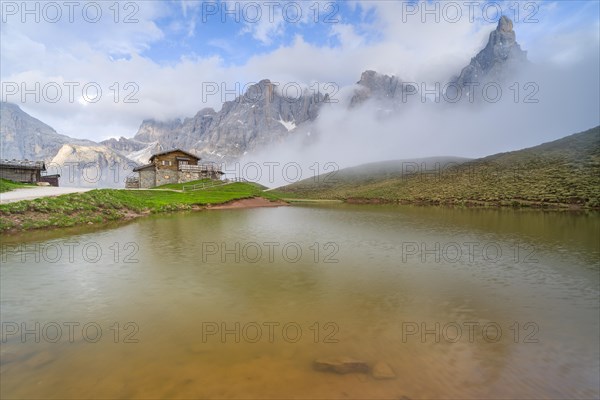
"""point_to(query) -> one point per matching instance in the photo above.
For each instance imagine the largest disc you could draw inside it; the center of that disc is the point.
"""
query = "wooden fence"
(211, 184)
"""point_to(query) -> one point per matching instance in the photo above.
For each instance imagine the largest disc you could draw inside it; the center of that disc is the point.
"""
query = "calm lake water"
(239, 303)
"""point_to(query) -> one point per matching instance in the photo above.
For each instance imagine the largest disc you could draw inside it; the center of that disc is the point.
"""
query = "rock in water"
(383, 370)
(341, 365)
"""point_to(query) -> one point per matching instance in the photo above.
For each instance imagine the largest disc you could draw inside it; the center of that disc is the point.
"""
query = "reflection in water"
(239, 303)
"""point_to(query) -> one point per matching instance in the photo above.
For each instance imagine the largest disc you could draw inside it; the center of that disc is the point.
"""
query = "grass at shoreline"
(7, 185)
(103, 205)
(564, 174)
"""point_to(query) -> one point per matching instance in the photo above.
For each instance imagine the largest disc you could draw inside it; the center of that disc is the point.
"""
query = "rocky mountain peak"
(265, 82)
(367, 76)
(376, 81)
(25, 137)
(501, 57)
(376, 85)
(505, 24)
(263, 90)
(205, 112)
(252, 121)
(503, 38)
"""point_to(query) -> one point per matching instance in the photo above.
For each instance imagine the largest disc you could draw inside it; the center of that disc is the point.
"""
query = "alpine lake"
(275, 303)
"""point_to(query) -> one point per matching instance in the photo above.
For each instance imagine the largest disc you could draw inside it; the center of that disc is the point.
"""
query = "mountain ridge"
(257, 120)
(26, 137)
(259, 117)
(80, 162)
(238, 127)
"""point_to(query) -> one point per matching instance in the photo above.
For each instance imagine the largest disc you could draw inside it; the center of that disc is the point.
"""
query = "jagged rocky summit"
(258, 118)
(501, 57)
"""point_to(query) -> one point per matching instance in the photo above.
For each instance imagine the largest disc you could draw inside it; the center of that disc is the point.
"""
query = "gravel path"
(37, 192)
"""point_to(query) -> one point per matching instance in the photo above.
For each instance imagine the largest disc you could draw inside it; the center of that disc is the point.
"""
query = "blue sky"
(229, 29)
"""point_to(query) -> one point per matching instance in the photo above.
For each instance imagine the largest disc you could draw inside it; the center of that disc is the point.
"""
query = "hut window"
(166, 163)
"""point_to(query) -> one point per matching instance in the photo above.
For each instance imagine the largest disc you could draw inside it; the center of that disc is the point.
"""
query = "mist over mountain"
(561, 173)
(263, 117)
(373, 85)
(264, 124)
(500, 60)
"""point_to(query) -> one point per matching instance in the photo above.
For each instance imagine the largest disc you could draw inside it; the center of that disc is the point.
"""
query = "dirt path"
(37, 192)
(248, 203)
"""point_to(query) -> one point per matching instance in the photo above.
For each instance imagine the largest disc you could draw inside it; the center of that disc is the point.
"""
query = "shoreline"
(127, 215)
(130, 215)
(254, 202)
(471, 204)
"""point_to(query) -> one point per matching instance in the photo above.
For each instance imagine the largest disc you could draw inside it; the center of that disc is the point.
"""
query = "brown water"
(167, 293)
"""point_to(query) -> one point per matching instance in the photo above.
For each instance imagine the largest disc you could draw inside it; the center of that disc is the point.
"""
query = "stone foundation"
(149, 178)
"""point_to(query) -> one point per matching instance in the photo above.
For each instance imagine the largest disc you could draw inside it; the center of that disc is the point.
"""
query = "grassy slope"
(336, 184)
(206, 182)
(7, 185)
(179, 186)
(566, 171)
(104, 205)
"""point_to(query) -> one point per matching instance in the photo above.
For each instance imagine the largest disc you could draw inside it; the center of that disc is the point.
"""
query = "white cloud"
(347, 36)
(106, 53)
(266, 21)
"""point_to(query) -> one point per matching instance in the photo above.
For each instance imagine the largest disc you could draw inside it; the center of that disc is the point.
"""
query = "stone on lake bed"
(341, 365)
(383, 370)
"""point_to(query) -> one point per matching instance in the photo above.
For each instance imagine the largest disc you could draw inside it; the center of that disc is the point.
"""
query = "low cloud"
(550, 102)
(117, 55)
